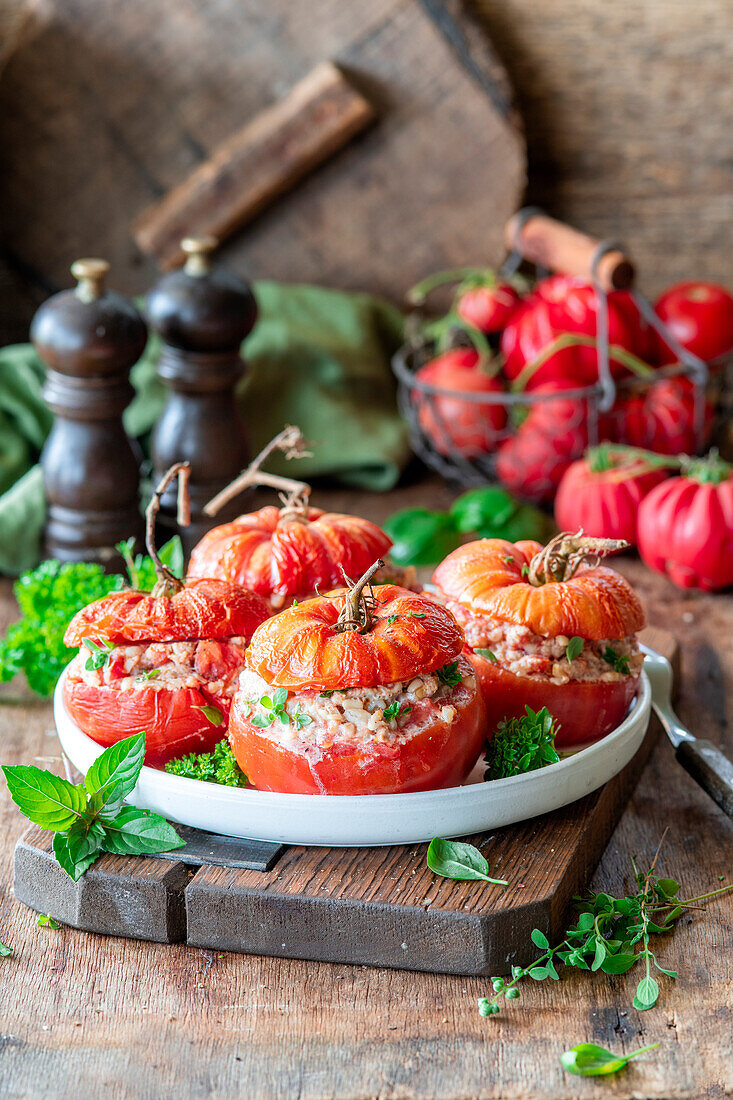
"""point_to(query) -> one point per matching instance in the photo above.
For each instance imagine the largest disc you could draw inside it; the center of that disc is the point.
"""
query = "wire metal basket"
(462, 435)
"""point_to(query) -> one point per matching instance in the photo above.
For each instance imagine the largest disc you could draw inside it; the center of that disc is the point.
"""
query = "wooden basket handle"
(561, 248)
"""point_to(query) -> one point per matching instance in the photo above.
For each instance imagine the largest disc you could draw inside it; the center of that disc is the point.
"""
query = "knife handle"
(711, 769)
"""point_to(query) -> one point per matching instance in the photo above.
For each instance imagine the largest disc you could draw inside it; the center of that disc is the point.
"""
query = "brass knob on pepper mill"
(203, 314)
(89, 338)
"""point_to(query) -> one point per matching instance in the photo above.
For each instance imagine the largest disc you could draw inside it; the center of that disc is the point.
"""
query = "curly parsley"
(522, 745)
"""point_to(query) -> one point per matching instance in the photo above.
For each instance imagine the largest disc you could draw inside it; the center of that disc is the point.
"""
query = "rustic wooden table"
(84, 1014)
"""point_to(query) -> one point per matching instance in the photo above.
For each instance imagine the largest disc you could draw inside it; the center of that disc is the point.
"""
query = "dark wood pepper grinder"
(89, 339)
(203, 314)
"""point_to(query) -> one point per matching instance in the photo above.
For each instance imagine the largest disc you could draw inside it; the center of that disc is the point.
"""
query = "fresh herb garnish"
(295, 604)
(147, 676)
(275, 707)
(141, 568)
(487, 654)
(525, 570)
(219, 766)
(88, 818)
(394, 711)
(99, 653)
(299, 719)
(590, 1060)
(522, 745)
(574, 648)
(211, 713)
(417, 614)
(46, 921)
(462, 862)
(619, 663)
(332, 691)
(5, 950)
(611, 935)
(449, 674)
(391, 619)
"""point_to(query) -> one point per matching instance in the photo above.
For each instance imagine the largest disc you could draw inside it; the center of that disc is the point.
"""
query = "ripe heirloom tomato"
(686, 526)
(662, 419)
(158, 662)
(453, 423)
(601, 492)
(487, 307)
(700, 315)
(521, 605)
(289, 552)
(356, 693)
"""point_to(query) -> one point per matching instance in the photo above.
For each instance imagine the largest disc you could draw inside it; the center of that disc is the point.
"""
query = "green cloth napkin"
(318, 358)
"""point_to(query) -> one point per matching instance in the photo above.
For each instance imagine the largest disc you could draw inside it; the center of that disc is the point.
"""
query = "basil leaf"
(171, 554)
(117, 770)
(647, 992)
(73, 868)
(462, 862)
(487, 654)
(590, 1060)
(134, 832)
(5, 950)
(213, 714)
(43, 797)
(574, 648)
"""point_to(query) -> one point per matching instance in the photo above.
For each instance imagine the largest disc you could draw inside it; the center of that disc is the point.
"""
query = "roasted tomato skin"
(440, 756)
(586, 710)
(172, 724)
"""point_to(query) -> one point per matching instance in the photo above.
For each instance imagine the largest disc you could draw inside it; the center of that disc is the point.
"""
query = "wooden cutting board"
(376, 906)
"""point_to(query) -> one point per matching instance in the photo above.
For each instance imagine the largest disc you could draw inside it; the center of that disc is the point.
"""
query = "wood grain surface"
(118, 1018)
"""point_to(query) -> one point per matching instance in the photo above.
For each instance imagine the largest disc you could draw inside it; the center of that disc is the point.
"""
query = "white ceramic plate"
(373, 820)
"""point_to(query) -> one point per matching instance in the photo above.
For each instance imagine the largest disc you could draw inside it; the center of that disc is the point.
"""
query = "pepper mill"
(89, 338)
(203, 314)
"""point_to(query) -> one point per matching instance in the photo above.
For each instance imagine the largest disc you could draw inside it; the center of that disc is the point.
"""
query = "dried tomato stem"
(563, 556)
(356, 614)
(291, 442)
(167, 585)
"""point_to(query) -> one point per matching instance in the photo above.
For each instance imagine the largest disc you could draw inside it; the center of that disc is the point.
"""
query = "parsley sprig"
(522, 745)
(449, 674)
(88, 818)
(394, 711)
(612, 935)
(618, 663)
(219, 766)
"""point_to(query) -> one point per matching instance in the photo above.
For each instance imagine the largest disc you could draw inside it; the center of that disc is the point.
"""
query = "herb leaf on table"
(88, 818)
(590, 1060)
(462, 862)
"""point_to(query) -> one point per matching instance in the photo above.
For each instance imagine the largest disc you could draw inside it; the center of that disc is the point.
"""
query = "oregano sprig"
(88, 818)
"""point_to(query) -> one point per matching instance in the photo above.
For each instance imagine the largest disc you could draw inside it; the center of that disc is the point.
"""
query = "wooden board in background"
(104, 107)
(377, 906)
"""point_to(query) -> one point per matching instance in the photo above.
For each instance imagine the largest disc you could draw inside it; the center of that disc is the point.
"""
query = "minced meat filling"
(526, 654)
(389, 713)
(209, 663)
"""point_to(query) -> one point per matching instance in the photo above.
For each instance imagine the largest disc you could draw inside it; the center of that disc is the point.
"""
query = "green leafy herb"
(619, 663)
(525, 570)
(147, 676)
(88, 818)
(394, 711)
(213, 714)
(455, 860)
(5, 950)
(140, 567)
(416, 614)
(299, 719)
(611, 935)
(295, 604)
(46, 921)
(49, 596)
(522, 745)
(574, 648)
(276, 708)
(99, 653)
(487, 654)
(332, 691)
(449, 674)
(219, 766)
(589, 1060)
(391, 619)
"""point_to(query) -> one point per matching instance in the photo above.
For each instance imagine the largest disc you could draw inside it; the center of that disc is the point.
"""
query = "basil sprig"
(462, 862)
(88, 818)
(590, 1060)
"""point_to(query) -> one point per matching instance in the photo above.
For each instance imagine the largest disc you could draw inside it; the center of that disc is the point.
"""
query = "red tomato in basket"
(471, 428)
(700, 315)
(564, 304)
(602, 491)
(488, 308)
(532, 462)
(686, 526)
(662, 419)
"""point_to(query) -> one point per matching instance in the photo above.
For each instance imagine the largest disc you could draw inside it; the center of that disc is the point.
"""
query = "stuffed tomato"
(165, 663)
(547, 627)
(361, 692)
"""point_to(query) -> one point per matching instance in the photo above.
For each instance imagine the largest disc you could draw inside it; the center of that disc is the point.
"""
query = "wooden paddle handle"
(711, 769)
(561, 248)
